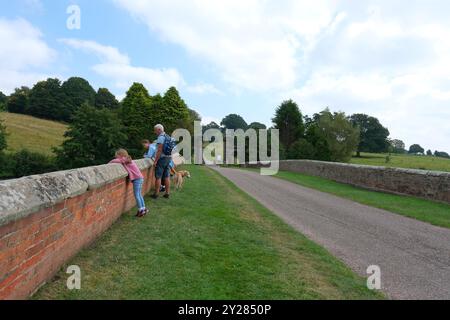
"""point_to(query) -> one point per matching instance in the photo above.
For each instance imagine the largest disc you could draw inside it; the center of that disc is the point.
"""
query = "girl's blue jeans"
(137, 188)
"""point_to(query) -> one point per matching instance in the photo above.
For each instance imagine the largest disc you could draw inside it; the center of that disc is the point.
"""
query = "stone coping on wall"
(22, 197)
(380, 168)
(426, 184)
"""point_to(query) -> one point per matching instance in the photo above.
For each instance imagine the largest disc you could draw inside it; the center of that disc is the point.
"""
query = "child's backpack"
(169, 146)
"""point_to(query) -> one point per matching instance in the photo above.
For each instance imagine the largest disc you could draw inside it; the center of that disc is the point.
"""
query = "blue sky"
(390, 59)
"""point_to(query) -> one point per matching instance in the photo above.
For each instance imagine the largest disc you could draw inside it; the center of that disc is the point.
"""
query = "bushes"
(302, 149)
(25, 163)
(92, 138)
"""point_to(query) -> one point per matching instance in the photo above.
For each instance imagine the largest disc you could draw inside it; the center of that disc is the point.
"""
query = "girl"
(136, 177)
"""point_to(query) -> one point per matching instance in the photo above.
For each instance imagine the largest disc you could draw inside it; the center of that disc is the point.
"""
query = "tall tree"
(138, 116)
(234, 122)
(19, 101)
(48, 101)
(416, 148)
(77, 91)
(373, 137)
(288, 119)
(105, 99)
(92, 138)
(342, 137)
(316, 137)
(174, 110)
(188, 123)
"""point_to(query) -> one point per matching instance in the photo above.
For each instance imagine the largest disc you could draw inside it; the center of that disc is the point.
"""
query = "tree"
(302, 149)
(174, 111)
(26, 163)
(3, 134)
(93, 137)
(257, 126)
(211, 125)
(48, 101)
(342, 137)
(234, 122)
(19, 101)
(188, 123)
(398, 146)
(429, 153)
(105, 99)
(77, 91)
(441, 154)
(288, 119)
(415, 148)
(373, 136)
(316, 138)
(3, 100)
(139, 117)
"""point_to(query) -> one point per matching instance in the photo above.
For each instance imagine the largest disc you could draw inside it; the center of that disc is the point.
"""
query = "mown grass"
(33, 134)
(425, 210)
(209, 241)
(404, 161)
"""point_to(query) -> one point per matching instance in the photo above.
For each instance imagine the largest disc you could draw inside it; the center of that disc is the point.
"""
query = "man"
(162, 163)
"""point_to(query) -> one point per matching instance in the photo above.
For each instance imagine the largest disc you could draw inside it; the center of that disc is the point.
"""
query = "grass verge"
(209, 241)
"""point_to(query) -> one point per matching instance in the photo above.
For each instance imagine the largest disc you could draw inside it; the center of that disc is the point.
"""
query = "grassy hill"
(31, 133)
(404, 161)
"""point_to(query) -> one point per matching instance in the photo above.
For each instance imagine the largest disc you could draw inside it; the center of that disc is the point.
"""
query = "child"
(151, 149)
(136, 178)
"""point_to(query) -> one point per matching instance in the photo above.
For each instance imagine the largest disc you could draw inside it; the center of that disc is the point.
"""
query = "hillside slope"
(38, 135)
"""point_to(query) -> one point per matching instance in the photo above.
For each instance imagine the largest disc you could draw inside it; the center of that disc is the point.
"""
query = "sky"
(389, 59)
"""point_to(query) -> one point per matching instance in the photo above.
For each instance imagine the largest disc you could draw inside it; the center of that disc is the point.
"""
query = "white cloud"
(253, 44)
(204, 88)
(381, 64)
(207, 120)
(390, 59)
(23, 54)
(117, 67)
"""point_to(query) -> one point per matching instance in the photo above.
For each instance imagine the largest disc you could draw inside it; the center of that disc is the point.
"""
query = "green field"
(404, 161)
(26, 132)
(425, 210)
(209, 241)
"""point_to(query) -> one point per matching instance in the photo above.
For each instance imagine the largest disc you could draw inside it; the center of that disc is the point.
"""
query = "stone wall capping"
(22, 197)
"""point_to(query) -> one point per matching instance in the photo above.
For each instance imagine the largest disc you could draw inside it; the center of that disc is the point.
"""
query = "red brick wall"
(34, 248)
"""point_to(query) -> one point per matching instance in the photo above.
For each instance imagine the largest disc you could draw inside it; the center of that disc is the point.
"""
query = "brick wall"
(433, 185)
(45, 220)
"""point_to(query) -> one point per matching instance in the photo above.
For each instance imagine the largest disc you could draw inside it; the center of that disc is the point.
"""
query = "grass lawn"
(420, 209)
(209, 241)
(404, 161)
(26, 132)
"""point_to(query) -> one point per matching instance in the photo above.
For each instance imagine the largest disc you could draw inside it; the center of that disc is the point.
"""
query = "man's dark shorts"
(162, 170)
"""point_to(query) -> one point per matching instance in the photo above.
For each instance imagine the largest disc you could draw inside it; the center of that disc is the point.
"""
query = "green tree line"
(98, 123)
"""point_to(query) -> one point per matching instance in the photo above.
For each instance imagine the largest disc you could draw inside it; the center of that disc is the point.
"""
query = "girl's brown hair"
(124, 154)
